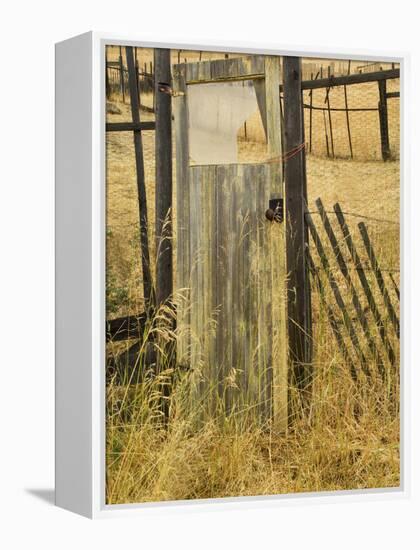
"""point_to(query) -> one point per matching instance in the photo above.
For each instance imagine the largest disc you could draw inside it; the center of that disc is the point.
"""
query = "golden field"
(350, 438)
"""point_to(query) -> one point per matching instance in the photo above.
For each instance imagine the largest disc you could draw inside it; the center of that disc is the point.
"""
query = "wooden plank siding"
(277, 246)
(230, 257)
(234, 265)
(182, 285)
(214, 70)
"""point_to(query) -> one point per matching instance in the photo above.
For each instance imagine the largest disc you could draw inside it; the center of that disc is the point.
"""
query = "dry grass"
(349, 440)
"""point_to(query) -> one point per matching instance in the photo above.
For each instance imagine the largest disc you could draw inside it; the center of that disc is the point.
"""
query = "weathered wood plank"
(204, 70)
(335, 327)
(148, 290)
(272, 110)
(265, 292)
(163, 175)
(349, 79)
(279, 323)
(241, 343)
(226, 69)
(234, 189)
(196, 329)
(310, 117)
(395, 286)
(330, 122)
(209, 237)
(348, 121)
(231, 257)
(259, 86)
(276, 252)
(383, 120)
(121, 69)
(129, 126)
(379, 278)
(258, 63)
(360, 314)
(348, 323)
(191, 71)
(364, 282)
(277, 383)
(124, 328)
(251, 261)
(296, 243)
(224, 348)
(227, 237)
(183, 265)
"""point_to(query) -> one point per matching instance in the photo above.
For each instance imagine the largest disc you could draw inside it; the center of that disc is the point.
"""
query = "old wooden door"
(230, 257)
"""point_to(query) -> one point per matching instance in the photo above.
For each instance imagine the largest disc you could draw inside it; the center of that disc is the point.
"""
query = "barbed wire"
(352, 214)
(362, 268)
(356, 215)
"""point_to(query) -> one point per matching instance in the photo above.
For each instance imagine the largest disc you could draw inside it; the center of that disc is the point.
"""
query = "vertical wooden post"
(327, 99)
(347, 112)
(163, 193)
(296, 234)
(137, 74)
(283, 150)
(383, 120)
(122, 75)
(307, 299)
(348, 121)
(379, 277)
(149, 297)
(326, 134)
(107, 86)
(154, 90)
(163, 201)
(310, 116)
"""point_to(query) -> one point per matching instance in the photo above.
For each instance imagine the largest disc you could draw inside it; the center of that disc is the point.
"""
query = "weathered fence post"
(120, 60)
(136, 62)
(383, 120)
(163, 194)
(327, 101)
(347, 112)
(348, 120)
(163, 201)
(310, 115)
(299, 314)
(107, 87)
(149, 295)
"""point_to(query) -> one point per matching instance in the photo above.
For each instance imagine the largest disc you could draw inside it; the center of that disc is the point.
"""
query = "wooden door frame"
(257, 68)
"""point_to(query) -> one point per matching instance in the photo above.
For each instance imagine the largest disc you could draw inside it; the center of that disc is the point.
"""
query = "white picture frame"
(80, 276)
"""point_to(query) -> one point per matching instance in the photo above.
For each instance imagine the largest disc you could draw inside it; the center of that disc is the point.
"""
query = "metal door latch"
(274, 212)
